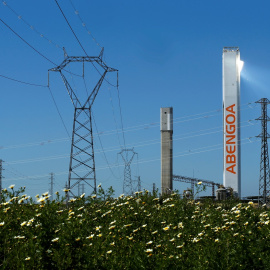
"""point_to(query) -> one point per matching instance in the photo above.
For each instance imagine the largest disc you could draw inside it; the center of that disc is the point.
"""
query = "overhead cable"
(102, 149)
(31, 26)
(114, 115)
(62, 120)
(121, 116)
(42, 55)
(84, 24)
(28, 83)
(70, 26)
(81, 43)
(190, 152)
(112, 149)
(100, 133)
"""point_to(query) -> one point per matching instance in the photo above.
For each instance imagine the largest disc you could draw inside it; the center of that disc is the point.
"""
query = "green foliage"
(133, 232)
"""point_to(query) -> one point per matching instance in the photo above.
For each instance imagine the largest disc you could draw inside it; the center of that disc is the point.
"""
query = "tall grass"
(131, 232)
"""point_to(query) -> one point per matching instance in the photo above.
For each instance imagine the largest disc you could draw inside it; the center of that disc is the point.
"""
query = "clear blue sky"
(168, 53)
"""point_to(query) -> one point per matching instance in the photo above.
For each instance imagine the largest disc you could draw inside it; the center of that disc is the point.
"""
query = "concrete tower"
(166, 128)
(232, 66)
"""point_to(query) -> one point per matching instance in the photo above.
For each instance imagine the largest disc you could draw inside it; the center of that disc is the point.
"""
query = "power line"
(51, 96)
(17, 173)
(105, 157)
(62, 120)
(121, 117)
(177, 137)
(101, 54)
(114, 116)
(28, 83)
(99, 151)
(83, 24)
(42, 55)
(86, 138)
(70, 27)
(181, 154)
(31, 26)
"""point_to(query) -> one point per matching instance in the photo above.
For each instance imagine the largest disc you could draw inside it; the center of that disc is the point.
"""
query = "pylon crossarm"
(262, 136)
(263, 100)
(262, 118)
(70, 59)
(96, 59)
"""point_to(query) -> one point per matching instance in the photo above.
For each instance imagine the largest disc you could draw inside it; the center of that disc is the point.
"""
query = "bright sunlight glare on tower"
(241, 65)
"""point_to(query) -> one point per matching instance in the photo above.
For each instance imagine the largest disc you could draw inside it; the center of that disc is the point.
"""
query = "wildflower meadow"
(142, 231)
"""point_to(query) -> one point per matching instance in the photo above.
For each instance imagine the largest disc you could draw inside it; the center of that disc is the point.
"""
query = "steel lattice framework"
(82, 161)
(1, 169)
(193, 181)
(264, 182)
(127, 158)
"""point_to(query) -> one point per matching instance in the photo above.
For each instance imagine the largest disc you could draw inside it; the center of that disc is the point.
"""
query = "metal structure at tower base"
(194, 181)
(264, 182)
(82, 161)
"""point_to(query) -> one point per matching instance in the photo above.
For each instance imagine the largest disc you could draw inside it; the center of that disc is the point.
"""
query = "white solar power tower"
(232, 66)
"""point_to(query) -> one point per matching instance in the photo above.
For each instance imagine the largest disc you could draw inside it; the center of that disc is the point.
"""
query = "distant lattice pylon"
(127, 156)
(264, 181)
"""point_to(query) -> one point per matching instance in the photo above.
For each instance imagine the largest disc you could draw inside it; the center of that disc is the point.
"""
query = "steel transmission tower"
(1, 169)
(82, 162)
(139, 184)
(127, 155)
(51, 184)
(264, 182)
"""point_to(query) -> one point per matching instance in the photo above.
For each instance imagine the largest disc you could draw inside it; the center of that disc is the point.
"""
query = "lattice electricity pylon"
(82, 161)
(1, 169)
(127, 157)
(264, 182)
